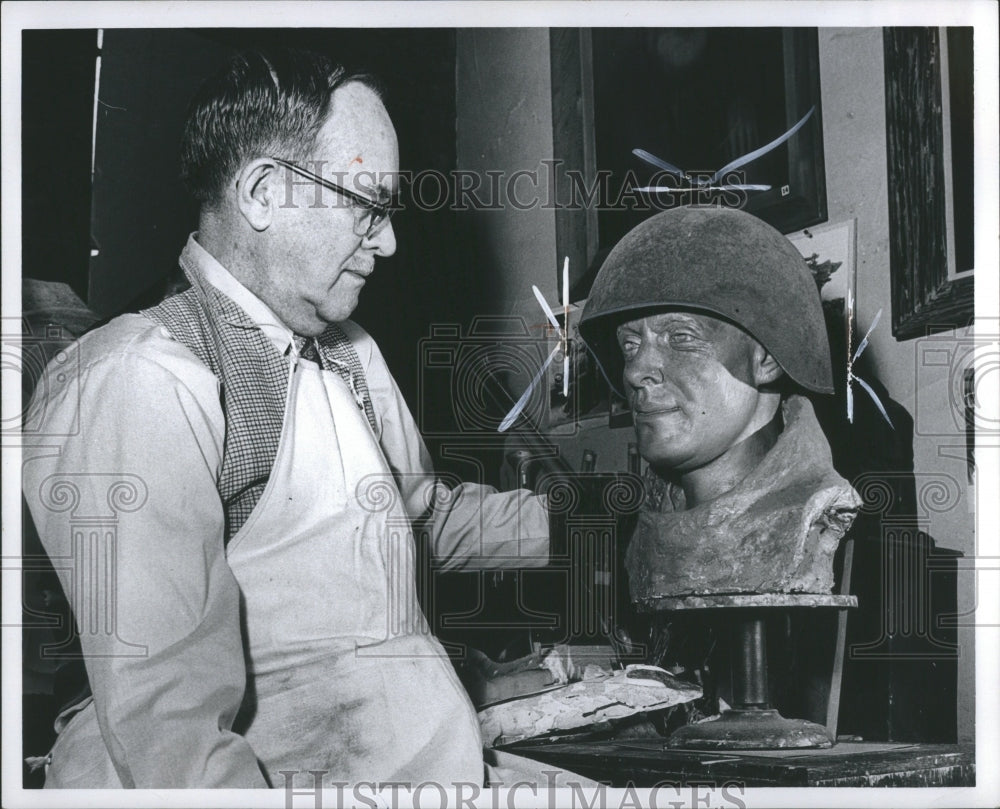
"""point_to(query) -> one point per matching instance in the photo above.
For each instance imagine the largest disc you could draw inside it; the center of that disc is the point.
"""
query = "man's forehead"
(358, 136)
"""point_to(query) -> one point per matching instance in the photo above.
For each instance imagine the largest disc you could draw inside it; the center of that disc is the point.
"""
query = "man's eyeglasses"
(370, 215)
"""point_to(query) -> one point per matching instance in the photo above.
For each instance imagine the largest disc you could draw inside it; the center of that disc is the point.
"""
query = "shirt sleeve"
(125, 501)
(469, 526)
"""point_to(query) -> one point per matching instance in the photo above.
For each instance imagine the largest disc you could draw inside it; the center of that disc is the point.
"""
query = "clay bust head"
(713, 324)
(705, 315)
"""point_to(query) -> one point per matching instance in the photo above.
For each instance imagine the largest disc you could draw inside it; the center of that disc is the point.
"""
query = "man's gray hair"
(260, 105)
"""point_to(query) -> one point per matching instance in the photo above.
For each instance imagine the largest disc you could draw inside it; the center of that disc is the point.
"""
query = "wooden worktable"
(647, 762)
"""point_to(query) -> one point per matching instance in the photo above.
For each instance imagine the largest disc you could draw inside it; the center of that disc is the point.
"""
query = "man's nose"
(644, 368)
(383, 240)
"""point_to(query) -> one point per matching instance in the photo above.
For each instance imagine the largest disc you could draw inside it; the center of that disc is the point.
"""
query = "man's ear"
(256, 192)
(765, 367)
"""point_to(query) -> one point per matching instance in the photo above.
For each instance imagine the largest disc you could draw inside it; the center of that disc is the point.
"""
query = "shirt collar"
(224, 281)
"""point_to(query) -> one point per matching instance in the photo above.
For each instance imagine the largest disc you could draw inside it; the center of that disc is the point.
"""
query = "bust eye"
(681, 338)
(629, 346)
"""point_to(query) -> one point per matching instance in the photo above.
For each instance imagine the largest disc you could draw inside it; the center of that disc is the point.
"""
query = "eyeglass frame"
(380, 212)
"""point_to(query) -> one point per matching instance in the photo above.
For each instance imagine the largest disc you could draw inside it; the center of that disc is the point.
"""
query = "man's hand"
(489, 682)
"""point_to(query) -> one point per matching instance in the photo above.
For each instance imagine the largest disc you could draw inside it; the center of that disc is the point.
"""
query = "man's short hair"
(262, 104)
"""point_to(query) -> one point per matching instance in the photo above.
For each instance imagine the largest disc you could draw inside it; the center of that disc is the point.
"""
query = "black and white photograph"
(501, 404)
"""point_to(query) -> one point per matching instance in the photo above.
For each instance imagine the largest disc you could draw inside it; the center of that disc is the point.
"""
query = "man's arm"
(152, 593)
(470, 526)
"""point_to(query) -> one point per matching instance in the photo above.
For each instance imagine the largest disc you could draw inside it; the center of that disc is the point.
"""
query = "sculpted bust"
(713, 323)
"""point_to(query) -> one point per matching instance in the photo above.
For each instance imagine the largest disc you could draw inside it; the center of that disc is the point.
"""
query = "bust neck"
(725, 472)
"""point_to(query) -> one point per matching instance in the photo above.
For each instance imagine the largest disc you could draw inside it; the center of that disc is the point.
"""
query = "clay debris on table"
(600, 695)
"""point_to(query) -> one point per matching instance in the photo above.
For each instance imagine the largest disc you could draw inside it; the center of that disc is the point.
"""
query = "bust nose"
(644, 368)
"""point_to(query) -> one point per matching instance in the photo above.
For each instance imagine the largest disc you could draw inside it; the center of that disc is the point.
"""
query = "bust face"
(690, 379)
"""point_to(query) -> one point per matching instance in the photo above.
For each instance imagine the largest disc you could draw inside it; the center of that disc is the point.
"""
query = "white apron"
(343, 672)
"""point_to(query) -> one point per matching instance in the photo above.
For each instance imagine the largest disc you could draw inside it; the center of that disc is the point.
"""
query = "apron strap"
(338, 353)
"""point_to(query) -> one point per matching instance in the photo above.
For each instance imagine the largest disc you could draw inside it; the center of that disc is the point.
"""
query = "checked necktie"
(308, 350)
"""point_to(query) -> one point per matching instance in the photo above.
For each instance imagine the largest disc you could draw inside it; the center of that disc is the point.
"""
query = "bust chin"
(776, 531)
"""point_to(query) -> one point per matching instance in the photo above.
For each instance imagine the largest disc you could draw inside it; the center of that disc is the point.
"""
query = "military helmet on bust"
(720, 262)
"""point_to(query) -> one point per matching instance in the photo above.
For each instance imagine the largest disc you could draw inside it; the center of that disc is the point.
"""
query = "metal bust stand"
(751, 724)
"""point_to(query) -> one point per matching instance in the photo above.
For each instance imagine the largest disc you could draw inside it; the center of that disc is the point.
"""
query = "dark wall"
(57, 98)
(141, 213)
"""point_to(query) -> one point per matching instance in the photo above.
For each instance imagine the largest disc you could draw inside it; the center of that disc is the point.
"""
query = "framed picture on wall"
(929, 146)
(627, 101)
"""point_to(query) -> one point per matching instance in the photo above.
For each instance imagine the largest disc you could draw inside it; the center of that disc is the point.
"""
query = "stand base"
(751, 729)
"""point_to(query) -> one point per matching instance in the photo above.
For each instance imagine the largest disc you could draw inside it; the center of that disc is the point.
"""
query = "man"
(254, 607)
(713, 323)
